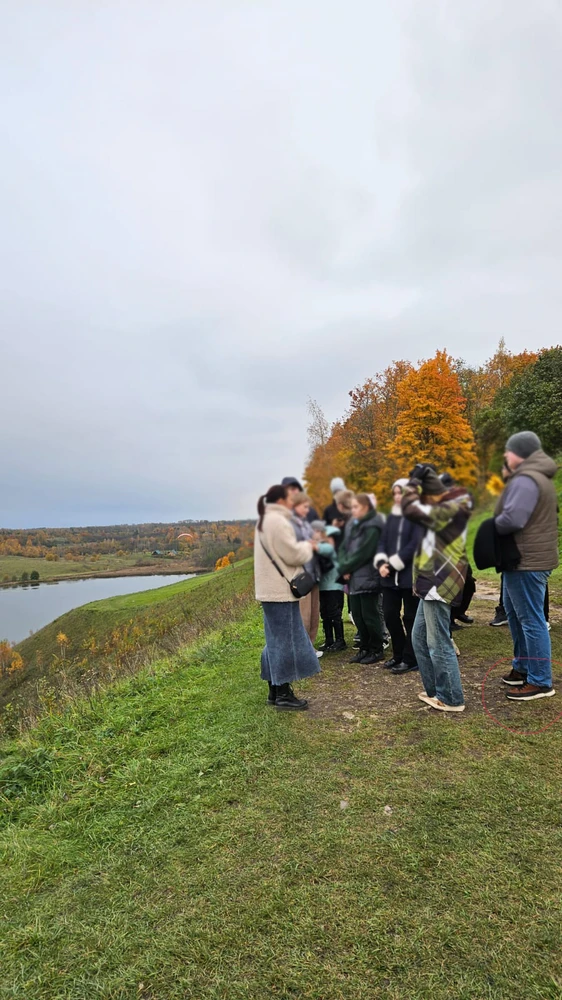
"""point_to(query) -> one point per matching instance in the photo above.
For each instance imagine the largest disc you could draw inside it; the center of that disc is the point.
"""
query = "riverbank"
(50, 572)
(178, 838)
(108, 638)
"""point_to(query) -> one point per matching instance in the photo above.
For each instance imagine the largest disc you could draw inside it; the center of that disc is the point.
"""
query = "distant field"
(16, 565)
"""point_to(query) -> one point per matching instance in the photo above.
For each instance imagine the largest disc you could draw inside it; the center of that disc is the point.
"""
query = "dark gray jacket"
(528, 510)
(357, 551)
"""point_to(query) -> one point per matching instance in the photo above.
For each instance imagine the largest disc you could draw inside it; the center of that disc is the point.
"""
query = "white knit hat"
(401, 483)
(337, 484)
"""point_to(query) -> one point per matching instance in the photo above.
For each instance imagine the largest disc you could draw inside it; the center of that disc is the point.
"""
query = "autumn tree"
(431, 425)
(533, 400)
(484, 388)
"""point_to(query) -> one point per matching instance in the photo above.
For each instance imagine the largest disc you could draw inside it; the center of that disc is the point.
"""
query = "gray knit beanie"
(337, 484)
(523, 444)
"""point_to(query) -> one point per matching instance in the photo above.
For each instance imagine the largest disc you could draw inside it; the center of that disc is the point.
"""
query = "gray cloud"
(211, 211)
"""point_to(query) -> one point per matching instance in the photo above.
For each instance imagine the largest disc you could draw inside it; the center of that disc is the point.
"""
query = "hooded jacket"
(528, 511)
(278, 537)
(357, 551)
(440, 564)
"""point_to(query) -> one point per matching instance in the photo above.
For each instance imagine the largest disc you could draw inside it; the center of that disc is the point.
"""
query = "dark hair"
(273, 494)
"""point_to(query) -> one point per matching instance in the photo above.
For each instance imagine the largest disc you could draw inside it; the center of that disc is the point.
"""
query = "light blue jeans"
(523, 598)
(435, 654)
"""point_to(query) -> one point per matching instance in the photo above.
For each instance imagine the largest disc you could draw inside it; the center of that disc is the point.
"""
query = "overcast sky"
(212, 210)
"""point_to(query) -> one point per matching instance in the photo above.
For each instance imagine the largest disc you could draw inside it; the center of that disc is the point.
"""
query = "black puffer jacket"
(357, 551)
(398, 545)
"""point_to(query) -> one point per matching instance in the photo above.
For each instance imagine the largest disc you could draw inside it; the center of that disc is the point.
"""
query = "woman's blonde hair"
(299, 498)
(344, 498)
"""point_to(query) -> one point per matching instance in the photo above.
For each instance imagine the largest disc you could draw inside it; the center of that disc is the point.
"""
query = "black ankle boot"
(328, 635)
(286, 698)
(272, 696)
(339, 634)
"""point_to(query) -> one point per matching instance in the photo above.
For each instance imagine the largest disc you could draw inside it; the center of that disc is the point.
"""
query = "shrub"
(34, 575)
(24, 577)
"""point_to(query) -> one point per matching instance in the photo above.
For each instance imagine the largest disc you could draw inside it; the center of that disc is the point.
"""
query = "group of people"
(406, 576)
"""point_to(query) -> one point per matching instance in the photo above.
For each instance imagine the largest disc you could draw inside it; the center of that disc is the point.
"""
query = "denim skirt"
(289, 654)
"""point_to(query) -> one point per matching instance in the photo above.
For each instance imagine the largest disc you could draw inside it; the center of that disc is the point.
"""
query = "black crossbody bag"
(301, 584)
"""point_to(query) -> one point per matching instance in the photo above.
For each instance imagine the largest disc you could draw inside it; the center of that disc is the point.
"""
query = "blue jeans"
(523, 598)
(435, 655)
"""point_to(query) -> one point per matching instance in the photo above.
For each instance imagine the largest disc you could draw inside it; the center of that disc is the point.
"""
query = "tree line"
(441, 410)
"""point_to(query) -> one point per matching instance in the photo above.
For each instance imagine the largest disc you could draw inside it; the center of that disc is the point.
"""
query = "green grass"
(178, 839)
(16, 565)
(167, 608)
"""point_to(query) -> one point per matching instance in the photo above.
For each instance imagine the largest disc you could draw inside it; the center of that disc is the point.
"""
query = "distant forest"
(200, 543)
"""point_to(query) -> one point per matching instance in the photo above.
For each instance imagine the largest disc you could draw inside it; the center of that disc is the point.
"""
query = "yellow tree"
(431, 425)
(327, 459)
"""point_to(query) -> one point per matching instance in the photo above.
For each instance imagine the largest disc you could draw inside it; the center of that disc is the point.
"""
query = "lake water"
(27, 609)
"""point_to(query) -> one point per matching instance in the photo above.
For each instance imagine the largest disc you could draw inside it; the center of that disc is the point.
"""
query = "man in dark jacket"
(527, 511)
(294, 486)
(397, 546)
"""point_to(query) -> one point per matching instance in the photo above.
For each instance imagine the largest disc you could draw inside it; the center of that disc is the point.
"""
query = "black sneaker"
(514, 679)
(272, 696)
(405, 668)
(465, 619)
(455, 627)
(386, 642)
(500, 617)
(389, 664)
(373, 658)
(337, 647)
(357, 640)
(358, 656)
(287, 699)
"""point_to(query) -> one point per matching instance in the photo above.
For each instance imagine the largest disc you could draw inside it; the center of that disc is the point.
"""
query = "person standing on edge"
(527, 509)
(289, 654)
(310, 604)
(331, 513)
(401, 539)
(293, 487)
(355, 557)
(439, 577)
(331, 590)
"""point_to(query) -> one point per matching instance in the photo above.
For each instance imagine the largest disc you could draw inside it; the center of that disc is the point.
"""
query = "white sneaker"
(548, 626)
(319, 653)
(440, 705)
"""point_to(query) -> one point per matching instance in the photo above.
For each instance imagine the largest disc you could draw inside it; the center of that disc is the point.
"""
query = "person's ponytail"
(273, 494)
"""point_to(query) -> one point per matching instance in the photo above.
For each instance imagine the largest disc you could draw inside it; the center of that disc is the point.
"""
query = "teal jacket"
(329, 580)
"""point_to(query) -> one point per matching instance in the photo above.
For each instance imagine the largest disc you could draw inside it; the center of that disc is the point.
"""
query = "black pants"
(368, 621)
(468, 593)
(401, 634)
(331, 607)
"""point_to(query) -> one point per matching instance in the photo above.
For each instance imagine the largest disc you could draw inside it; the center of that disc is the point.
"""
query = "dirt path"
(349, 693)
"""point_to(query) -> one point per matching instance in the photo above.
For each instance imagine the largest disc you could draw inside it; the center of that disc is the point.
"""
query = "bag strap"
(277, 567)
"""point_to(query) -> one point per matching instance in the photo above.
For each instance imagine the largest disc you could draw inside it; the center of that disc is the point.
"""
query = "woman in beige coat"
(289, 654)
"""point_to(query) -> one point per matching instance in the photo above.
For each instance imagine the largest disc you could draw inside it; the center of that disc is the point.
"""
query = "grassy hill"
(177, 838)
(118, 629)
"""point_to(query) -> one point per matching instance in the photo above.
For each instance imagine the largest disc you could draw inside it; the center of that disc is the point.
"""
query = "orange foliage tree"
(10, 660)
(431, 425)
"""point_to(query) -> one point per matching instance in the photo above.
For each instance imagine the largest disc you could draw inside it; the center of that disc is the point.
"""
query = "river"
(26, 609)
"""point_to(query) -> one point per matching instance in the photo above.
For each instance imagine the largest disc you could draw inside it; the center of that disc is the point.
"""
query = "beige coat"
(278, 535)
